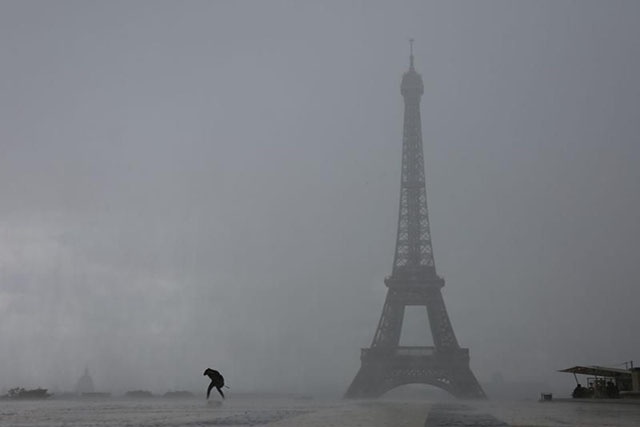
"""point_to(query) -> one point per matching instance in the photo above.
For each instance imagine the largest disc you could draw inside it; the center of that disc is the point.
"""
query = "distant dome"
(85, 383)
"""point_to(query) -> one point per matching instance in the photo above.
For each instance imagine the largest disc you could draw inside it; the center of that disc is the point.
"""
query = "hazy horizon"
(215, 184)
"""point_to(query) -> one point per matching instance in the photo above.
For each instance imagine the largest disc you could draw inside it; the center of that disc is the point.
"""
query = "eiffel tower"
(414, 282)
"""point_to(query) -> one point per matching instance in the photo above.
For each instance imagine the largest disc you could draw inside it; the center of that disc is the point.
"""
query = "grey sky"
(193, 184)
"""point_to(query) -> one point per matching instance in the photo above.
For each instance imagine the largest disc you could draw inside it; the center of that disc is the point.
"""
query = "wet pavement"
(454, 415)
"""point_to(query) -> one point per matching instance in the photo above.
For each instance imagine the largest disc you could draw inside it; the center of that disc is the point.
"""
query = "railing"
(399, 351)
(415, 351)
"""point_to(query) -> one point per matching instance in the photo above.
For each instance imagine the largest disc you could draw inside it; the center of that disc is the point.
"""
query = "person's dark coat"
(217, 381)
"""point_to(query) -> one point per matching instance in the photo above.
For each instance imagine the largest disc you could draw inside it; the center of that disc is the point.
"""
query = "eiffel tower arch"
(414, 282)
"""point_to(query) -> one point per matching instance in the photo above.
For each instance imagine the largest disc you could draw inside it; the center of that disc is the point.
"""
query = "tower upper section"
(412, 86)
(413, 261)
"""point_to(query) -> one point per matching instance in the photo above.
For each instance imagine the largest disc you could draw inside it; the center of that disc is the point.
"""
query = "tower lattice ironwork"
(414, 282)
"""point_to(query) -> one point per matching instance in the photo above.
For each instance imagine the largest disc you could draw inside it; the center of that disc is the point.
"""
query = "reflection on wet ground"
(291, 412)
(591, 413)
(451, 414)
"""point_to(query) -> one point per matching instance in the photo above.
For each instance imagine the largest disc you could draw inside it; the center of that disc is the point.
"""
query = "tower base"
(385, 369)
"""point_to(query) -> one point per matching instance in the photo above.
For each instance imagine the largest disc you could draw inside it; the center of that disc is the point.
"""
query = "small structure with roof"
(606, 383)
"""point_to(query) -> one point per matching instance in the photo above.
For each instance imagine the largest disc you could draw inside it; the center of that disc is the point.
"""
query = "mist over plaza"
(213, 184)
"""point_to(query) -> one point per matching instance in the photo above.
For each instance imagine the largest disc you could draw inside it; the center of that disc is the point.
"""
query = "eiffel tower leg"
(374, 378)
(441, 329)
(364, 385)
(465, 385)
(390, 325)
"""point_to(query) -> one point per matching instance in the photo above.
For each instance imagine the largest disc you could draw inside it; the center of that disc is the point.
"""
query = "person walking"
(217, 381)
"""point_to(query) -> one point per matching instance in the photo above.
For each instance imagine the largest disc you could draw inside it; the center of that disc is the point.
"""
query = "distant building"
(85, 383)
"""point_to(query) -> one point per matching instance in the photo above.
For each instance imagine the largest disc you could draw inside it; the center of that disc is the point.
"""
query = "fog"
(215, 184)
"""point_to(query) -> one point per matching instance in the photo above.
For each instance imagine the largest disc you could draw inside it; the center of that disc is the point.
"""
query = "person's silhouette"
(217, 381)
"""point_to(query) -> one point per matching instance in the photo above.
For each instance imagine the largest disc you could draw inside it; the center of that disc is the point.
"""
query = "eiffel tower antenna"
(414, 282)
(411, 55)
